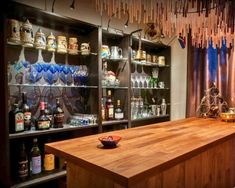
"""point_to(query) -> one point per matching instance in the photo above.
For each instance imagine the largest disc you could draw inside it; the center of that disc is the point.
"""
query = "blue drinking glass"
(35, 73)
(51, 75)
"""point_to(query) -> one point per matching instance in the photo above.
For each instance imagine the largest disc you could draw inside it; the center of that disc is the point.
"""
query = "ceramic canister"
(85, 49)
(51, 43)
(73, 45)
(61, 44)
(154, 58)
(161, 60)
(13, 31)
(149, 58)
(26, 34)
(40, 40)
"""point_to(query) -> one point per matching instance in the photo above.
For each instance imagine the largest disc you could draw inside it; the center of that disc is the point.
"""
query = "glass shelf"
(113, 122)
(143, 88)
(114, 87)
(42, 178)
(148, 63)
(66, 127)
(116, 60)
(43, 85)
(45, 50)
(150, 117)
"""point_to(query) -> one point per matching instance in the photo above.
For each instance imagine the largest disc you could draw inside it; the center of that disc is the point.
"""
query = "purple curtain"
(206, 66)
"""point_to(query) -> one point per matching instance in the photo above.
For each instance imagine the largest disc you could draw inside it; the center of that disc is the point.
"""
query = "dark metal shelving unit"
(98, 36)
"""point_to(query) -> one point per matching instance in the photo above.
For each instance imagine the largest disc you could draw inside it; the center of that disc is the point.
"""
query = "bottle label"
(49, 162)
(36, 165)
(119, 115)
(23, 169)
(58, 118)
(19, 122)
(43, 124)
(110, 113)
(27, 118)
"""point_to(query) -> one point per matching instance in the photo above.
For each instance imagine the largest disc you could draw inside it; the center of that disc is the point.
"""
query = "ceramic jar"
(13, 31)
(154, 58)
(161, 60)
(85, 49)
(61, 44)
(51, 43)
(149, 58)
(26, 34)
(40, 40)
(73, 46)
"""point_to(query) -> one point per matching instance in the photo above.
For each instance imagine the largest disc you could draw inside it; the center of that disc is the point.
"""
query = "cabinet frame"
(36, 15)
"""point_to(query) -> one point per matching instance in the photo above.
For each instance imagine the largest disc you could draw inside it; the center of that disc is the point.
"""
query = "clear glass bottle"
(102, 110)
(163, 107)
(118, 115)
(109, 107)
(36, 158)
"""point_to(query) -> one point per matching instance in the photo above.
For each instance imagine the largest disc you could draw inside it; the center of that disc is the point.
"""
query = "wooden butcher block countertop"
(144, 150)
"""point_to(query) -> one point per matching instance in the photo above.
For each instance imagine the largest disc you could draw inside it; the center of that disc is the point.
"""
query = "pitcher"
(116, 52)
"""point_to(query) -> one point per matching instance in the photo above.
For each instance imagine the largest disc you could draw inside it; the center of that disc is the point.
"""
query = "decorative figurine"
(212, 104)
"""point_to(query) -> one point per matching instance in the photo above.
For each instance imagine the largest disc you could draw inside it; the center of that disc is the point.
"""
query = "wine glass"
(137, 78)
(36, 69)
(20, 68)
(51, 75)
(132, 80)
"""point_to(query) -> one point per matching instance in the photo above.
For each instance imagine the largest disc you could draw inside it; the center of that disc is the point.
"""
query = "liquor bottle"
(102, 110)
(23, 163)
(163, 107)
(48, 113)
(49, 160)
(58, 115)
(118, 115)
(16, 119)
(109, 107)
(43, 121)
(36, 158)
(27, 114)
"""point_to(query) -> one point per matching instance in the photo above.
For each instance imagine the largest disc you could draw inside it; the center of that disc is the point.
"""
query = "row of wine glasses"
(40, 72)
(143, 80)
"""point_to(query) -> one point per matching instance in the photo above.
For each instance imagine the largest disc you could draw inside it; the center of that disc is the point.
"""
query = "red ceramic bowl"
(110, 141)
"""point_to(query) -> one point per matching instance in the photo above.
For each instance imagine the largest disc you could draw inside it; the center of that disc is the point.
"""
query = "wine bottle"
(118, 115)
(102, 110)
(16, 119)
(27, 113)
(23, 163)
(48, 113)
(58, 115)
(43, 121)
(36, 158)
(109, 107)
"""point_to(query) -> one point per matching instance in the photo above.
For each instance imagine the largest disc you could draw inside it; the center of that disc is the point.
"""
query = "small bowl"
(109, 141)
(227, 116)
